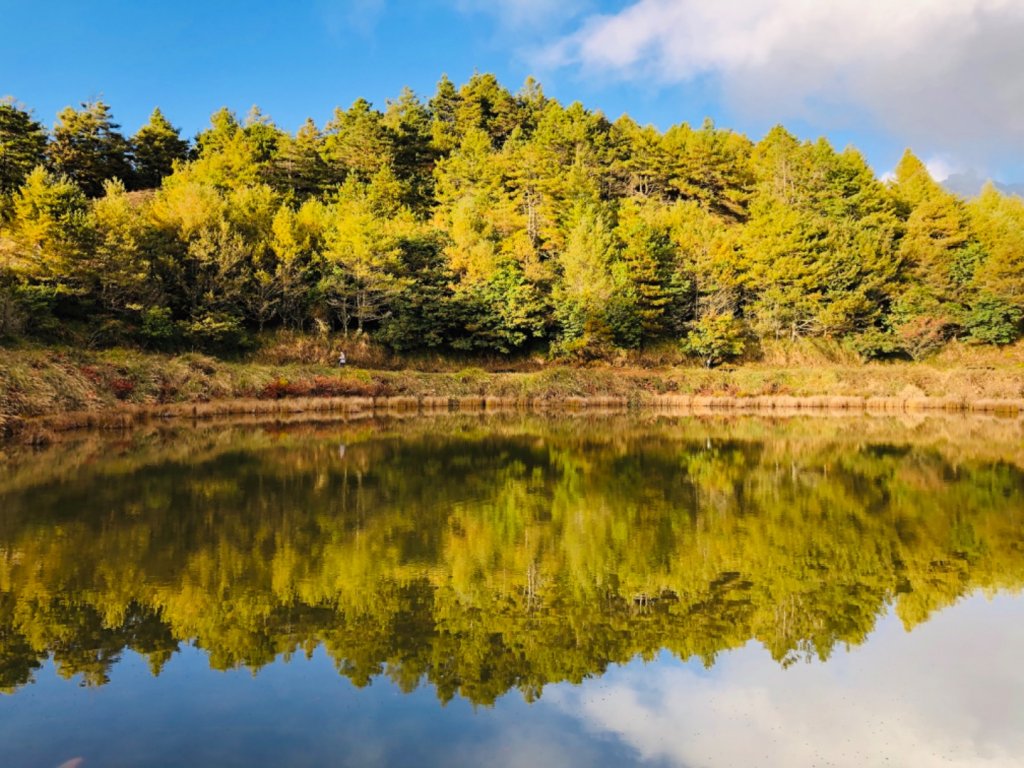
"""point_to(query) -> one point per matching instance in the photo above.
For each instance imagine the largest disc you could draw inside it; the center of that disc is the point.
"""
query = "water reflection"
(481, 556)
(950, 694)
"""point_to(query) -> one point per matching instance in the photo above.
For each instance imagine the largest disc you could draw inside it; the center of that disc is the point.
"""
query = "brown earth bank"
(44, 390)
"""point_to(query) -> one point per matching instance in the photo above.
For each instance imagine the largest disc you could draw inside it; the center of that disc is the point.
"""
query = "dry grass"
(73, 388)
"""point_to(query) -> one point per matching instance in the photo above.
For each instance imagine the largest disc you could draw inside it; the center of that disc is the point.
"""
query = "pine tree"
(357, 143)
(649, 276)
(22, 145)
(51, 227)
(88, 148)
(409, 123)
(156, 147)
(227, 157)
(298, 166)
(444, 109)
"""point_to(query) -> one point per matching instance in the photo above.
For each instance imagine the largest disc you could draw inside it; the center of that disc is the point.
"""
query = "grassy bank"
(54, 383)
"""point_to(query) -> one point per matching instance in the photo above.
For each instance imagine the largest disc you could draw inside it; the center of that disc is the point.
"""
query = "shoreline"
(52, 390)
(39, 430)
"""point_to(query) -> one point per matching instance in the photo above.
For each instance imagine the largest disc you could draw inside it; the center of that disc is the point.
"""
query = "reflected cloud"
(949, 693)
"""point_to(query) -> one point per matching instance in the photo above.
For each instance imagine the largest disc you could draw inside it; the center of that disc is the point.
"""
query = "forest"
(486, 221)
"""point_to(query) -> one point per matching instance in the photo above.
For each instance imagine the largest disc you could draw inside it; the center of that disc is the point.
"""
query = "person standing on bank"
(341, 359)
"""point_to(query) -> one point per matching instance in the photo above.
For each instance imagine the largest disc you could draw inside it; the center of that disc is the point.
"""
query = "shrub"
(876, 344)
(122, 387)
(993, 321)
(217, 332)
(925, 334)
(715, 339)
(158, 328)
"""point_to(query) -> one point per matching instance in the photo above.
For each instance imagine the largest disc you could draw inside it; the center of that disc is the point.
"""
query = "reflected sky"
(950, 693)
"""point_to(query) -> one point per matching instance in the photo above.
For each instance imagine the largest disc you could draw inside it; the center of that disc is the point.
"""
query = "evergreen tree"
(489, 221)
(88, 148)
(51, 228)
(357, 143)
(410, 126)
(227, 156)
(155, 148)
(648, 275)
(487, 106)
(444, 110)
(710, 166)
(22, 145)
(298, 166)
(585, 285)
(263, 135)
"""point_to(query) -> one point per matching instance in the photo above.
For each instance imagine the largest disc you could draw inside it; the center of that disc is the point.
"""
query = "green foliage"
(876, 344)
(158, 328)
(213, 333)
(88, 148)
(993, 321)
(22, 145)
(715, 339)
(500, 314)
(12, 313)
(156, 147)
(545, 225)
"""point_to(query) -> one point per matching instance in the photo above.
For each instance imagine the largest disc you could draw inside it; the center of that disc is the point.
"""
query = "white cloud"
(945, 74)
(940, 168)
(949, 693)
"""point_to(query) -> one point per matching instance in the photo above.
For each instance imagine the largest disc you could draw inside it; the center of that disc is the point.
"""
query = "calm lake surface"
(517, 591)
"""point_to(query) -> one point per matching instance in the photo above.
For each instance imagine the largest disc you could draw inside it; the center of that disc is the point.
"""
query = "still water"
(517, 591)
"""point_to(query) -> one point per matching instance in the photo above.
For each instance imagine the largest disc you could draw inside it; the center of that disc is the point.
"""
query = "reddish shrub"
(122, 388)
(320, 386)
(279, 388)
(91, 372)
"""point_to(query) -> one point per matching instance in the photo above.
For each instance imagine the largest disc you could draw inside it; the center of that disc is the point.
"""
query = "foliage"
(715, 339)
(993, 321)
(486, 220)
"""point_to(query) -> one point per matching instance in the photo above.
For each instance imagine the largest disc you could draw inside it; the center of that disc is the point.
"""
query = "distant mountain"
(969, 184)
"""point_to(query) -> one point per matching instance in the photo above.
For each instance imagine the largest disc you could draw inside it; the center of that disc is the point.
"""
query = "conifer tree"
(357, 143)
(298, 166)
(155, 148)
(88, 148)
(22, 145)
(444, 109)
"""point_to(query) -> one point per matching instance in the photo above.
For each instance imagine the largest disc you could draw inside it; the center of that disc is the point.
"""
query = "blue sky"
(944, 77)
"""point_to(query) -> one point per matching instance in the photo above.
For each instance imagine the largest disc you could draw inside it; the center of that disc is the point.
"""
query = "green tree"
(227, 155)
(444, 123)
(649, 274)
(363, 252)
(298, 166)
(710, 166)
(584, 285)
(409, 123)
(155, 148)
(998, 271)
(22, 145)
(51, 227)
(715, 339)
(88, 148)
(357, 143)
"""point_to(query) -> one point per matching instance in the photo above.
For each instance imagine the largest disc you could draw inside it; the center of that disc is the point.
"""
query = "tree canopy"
(486, 219)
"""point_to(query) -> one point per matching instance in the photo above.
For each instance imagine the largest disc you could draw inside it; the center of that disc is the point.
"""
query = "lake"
(515, 590)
